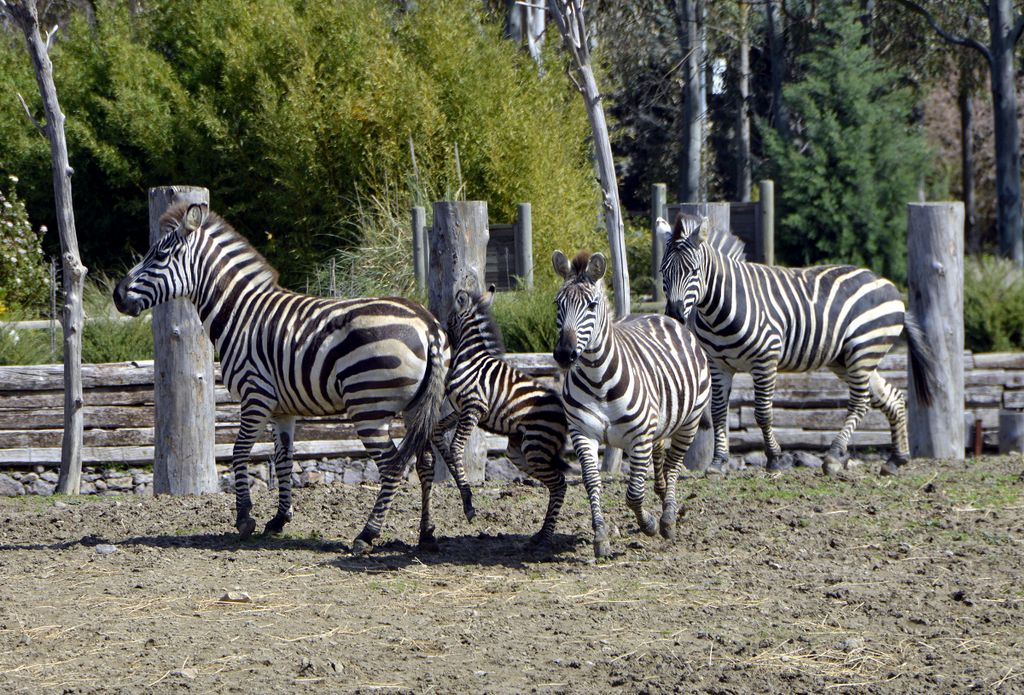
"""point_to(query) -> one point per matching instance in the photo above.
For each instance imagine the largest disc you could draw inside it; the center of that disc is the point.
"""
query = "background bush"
(24, 272)
(993, 304)
(294, 112)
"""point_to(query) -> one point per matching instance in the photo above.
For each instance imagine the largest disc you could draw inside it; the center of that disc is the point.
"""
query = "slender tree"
(1004, 30)
(688, 29)
(743, 159)
(25, 15)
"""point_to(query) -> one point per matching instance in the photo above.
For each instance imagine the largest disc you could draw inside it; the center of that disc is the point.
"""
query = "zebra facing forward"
(486, 391)
(761, 319)
(630, 384)
(285, 354)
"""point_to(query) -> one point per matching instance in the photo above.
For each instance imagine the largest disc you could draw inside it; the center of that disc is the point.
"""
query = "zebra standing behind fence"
(285, 354)
(486, 391)
(628, 383)
(762, 319)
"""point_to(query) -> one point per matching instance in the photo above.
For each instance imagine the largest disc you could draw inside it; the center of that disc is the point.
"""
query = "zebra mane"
(579, 267)
(486, 325)
(172, 219)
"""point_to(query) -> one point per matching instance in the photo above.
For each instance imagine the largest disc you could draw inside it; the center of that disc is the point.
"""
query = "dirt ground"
(777, 583)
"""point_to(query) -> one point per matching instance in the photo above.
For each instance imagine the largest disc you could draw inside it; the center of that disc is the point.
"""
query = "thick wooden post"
(524, 244)
(718, 214)
(764, 244)
(935, 279)
(183, 387)
(458, 249)
(658, 195)
(419, 246)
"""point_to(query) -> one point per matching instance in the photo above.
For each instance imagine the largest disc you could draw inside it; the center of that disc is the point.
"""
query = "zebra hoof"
(245, 527)
(648, 526)
(361, 548)
(429, 545)
(540, 540)
(602, 548)
(831, 465)
(667, 530)
(780, 462)
(469, 511)
(275, 526)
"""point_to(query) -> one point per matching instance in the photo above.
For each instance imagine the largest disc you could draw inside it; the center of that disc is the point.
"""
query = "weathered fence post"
(935, 279)
(458, 248)
(718, 214)
(419, 246)
(524, 244)
(658, 197)
(183, 386)
(764, 242)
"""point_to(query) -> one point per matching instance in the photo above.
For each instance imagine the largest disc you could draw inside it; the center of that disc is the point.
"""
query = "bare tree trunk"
(687, 27)
(524, 24)
(744, 176)
(1007, 132)
(971, 232)
(25, 15)
(777, 54)
(568, 16)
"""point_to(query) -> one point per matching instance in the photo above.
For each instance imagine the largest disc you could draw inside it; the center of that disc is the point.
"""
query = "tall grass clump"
(993, 304)
(527, 317)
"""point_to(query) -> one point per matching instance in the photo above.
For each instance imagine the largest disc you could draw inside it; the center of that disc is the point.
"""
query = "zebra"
(485, 390)
(629, 383)
(763, 319)
(285, 354)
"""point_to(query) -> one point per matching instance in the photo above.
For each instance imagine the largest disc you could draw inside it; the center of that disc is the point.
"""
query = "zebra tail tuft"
(423, 414)
(922, 360)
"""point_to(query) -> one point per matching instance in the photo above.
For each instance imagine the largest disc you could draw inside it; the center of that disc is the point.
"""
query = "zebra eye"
(592, 304)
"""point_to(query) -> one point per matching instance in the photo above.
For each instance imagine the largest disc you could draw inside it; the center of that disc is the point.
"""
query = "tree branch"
(1016, 31)
(952, 38)
(49, 38)
(39, 126)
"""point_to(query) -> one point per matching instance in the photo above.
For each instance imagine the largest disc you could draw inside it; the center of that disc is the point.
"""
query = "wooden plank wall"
(809, 409)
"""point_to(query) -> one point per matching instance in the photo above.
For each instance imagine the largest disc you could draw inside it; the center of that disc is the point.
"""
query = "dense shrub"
(854, 160)
(993, 304)
(527, 318)
(291, 112)
(24, 273)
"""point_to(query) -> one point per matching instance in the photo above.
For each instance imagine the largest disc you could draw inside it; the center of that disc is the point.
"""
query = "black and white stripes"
(630, 384)
(761, 319)
(285, 354)
(486, 391)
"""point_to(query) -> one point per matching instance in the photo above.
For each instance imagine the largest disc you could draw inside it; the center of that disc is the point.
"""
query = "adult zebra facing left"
(285, 354)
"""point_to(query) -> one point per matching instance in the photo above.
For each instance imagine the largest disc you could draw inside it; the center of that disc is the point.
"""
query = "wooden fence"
(119, 411)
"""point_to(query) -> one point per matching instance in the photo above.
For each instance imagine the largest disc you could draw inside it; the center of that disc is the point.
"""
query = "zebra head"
(471, 321)
(167, 271)
(580, 303)
(685, 284)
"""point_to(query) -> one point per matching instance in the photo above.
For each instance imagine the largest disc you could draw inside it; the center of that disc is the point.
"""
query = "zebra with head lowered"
(487, 391)
(763, 319)
(630, 384)
(285, 354)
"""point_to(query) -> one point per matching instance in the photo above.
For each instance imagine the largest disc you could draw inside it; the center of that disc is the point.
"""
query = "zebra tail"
(559, 464)
(423, 414)
(922, 360)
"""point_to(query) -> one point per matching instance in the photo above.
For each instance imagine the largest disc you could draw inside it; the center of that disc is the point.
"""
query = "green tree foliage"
(291, 112)
(24, 277)
(854, 161)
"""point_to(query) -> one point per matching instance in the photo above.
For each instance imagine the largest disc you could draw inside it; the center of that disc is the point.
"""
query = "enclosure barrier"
(809, 409)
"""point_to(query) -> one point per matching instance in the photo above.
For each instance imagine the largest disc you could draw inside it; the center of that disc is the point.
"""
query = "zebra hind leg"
(891, 402)
(284, 440)
(377, 441)
(456, 469)
(544, 463)
(425, 472)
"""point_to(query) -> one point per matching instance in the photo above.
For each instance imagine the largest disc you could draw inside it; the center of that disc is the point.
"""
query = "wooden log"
(524, 244)
(1011, 431)
(935, 263)
(659, 192)
(183, 378)
(458, 252)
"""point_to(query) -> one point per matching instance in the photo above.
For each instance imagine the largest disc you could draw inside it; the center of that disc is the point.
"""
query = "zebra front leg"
(721, 386)
(586, 452)
(377, 441)
(284, 446)
(857, 405)
(681, 442)
(425, 472)
(763, 376)
(658, 459)
(891, 402)
(252, 419)
(639, 458)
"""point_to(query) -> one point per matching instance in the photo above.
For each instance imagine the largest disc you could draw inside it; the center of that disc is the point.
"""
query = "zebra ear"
(704, 231)
(487, 297)
(561, 264)
(194, 218)
(596, 267)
